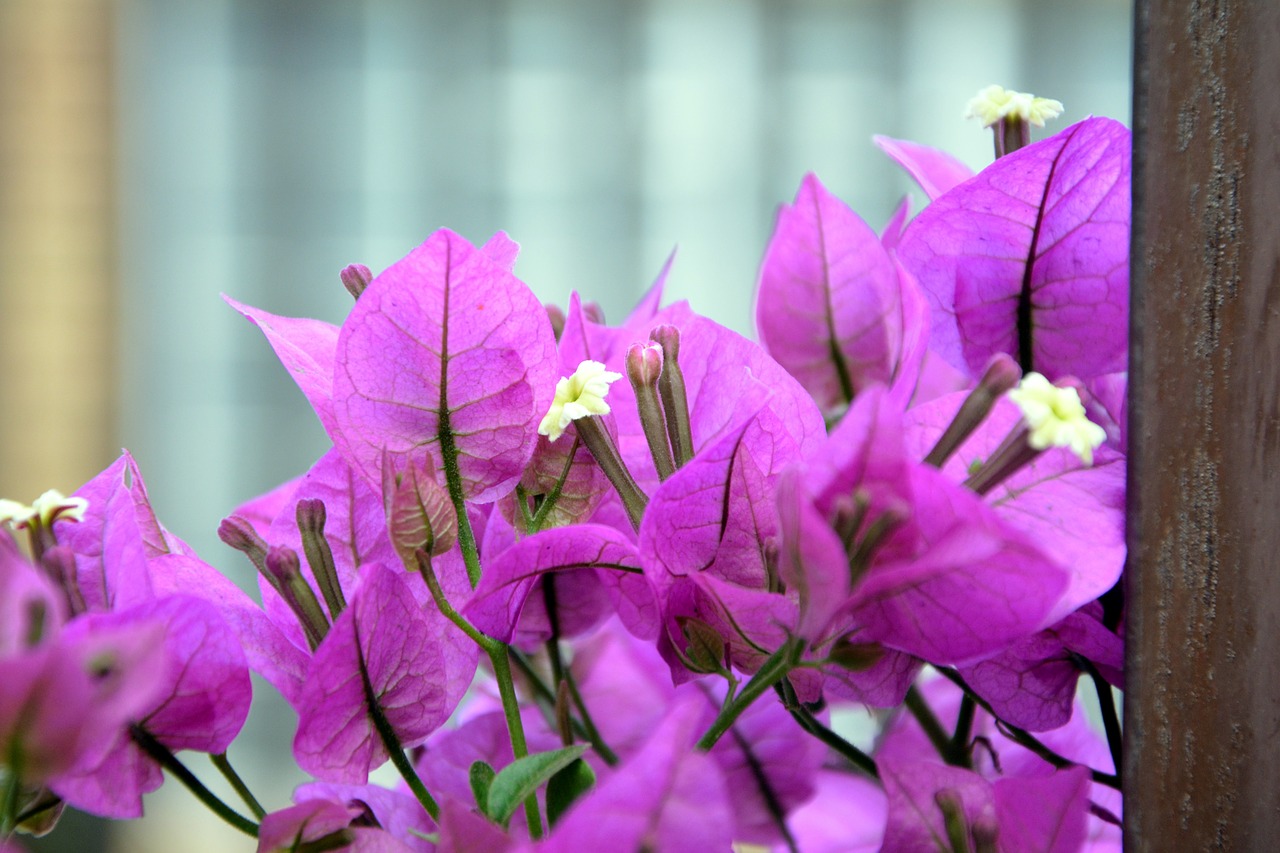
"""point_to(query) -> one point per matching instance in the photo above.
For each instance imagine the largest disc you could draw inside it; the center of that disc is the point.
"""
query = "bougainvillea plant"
(612, 587)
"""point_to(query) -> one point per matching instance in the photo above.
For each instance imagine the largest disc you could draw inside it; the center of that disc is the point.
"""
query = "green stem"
(515, 726)
(166, 759)
(814, 727)
(546, 701)
(391, 742)
(592, 733)
(9, 806)
(1023, 737)
(550, 498)
(958, 750)
(771, 672)
(924, 715)
(233, 778)
(497, 652)
(1110, 719)
(453, 479)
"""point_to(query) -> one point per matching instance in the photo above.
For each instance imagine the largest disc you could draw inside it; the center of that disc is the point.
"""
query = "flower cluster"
(577, 612)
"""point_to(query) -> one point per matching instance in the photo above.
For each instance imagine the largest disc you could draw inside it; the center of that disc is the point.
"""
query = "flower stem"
(166, 759)
(391, 742)
(233, 779)
(1023, 737)
(497, 652)
(1107, 704)
(515, 727)
(773, 670)
(9, 804)
(814, 727)
(924, 715)
(958, 749)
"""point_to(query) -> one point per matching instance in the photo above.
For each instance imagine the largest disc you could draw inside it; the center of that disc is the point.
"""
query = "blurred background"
(156, 153)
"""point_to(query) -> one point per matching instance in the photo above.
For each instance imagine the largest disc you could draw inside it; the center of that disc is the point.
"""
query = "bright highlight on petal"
(578, 396)
(1056, 417)
(996, 102)
(52, 504)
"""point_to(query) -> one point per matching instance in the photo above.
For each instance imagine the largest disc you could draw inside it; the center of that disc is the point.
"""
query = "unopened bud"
(239, 534)
(855, 657)
(1001, 375)
(952, 808)
(593, 313)
(311, 516)
(675, 402)
(556, 315)
(355, 278)
(419, 511)
(284, 573)
(644, 368)
(704, 650)
(59, 563)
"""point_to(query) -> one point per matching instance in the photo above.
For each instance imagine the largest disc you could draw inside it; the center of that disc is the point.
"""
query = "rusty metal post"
(1202, 711)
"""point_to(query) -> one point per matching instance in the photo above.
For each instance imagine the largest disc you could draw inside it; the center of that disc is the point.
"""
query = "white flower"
(52, 504)
(1056, 417)
(996, 102)
(578, 396)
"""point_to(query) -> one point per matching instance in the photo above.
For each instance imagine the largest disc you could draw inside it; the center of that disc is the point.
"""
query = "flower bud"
(644, 367)
(952, 808)
(704, 650)
(311, 516)
(855, 657)
(419, 511)
(284, 573)
(675, 402)
(239, 534)
(556, 315)
(1002, 374)
(355, 278)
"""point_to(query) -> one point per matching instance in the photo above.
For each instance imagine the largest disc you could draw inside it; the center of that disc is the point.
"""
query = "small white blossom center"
(1056, 417)
(996, 102)
(578, 396)
(52, 504)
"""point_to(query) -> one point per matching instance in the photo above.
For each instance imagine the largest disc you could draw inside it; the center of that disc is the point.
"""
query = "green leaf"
(522, 777)
(481, 779)
(566, 787)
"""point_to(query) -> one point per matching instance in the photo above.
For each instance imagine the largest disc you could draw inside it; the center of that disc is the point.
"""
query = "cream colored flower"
(52, 504)
(578, 396)
(996, 102)
(1056, 417)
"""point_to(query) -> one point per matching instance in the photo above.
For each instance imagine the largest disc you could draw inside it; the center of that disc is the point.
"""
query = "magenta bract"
(449, 350)
(415, 672)
(1031, 257)
(830, 306)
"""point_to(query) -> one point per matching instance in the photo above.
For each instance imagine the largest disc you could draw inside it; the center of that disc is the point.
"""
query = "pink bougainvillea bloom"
(832, 306)
(935, 171)
(1073, 513)
(571, 558)
(306, 348)
(66, 701)
(445, 349)
(202, 700)
(668, 796)
(1031, 257)
(1032, 802)
(384, 649)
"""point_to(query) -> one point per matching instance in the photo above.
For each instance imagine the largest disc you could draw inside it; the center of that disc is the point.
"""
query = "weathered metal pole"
(1202, 710)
